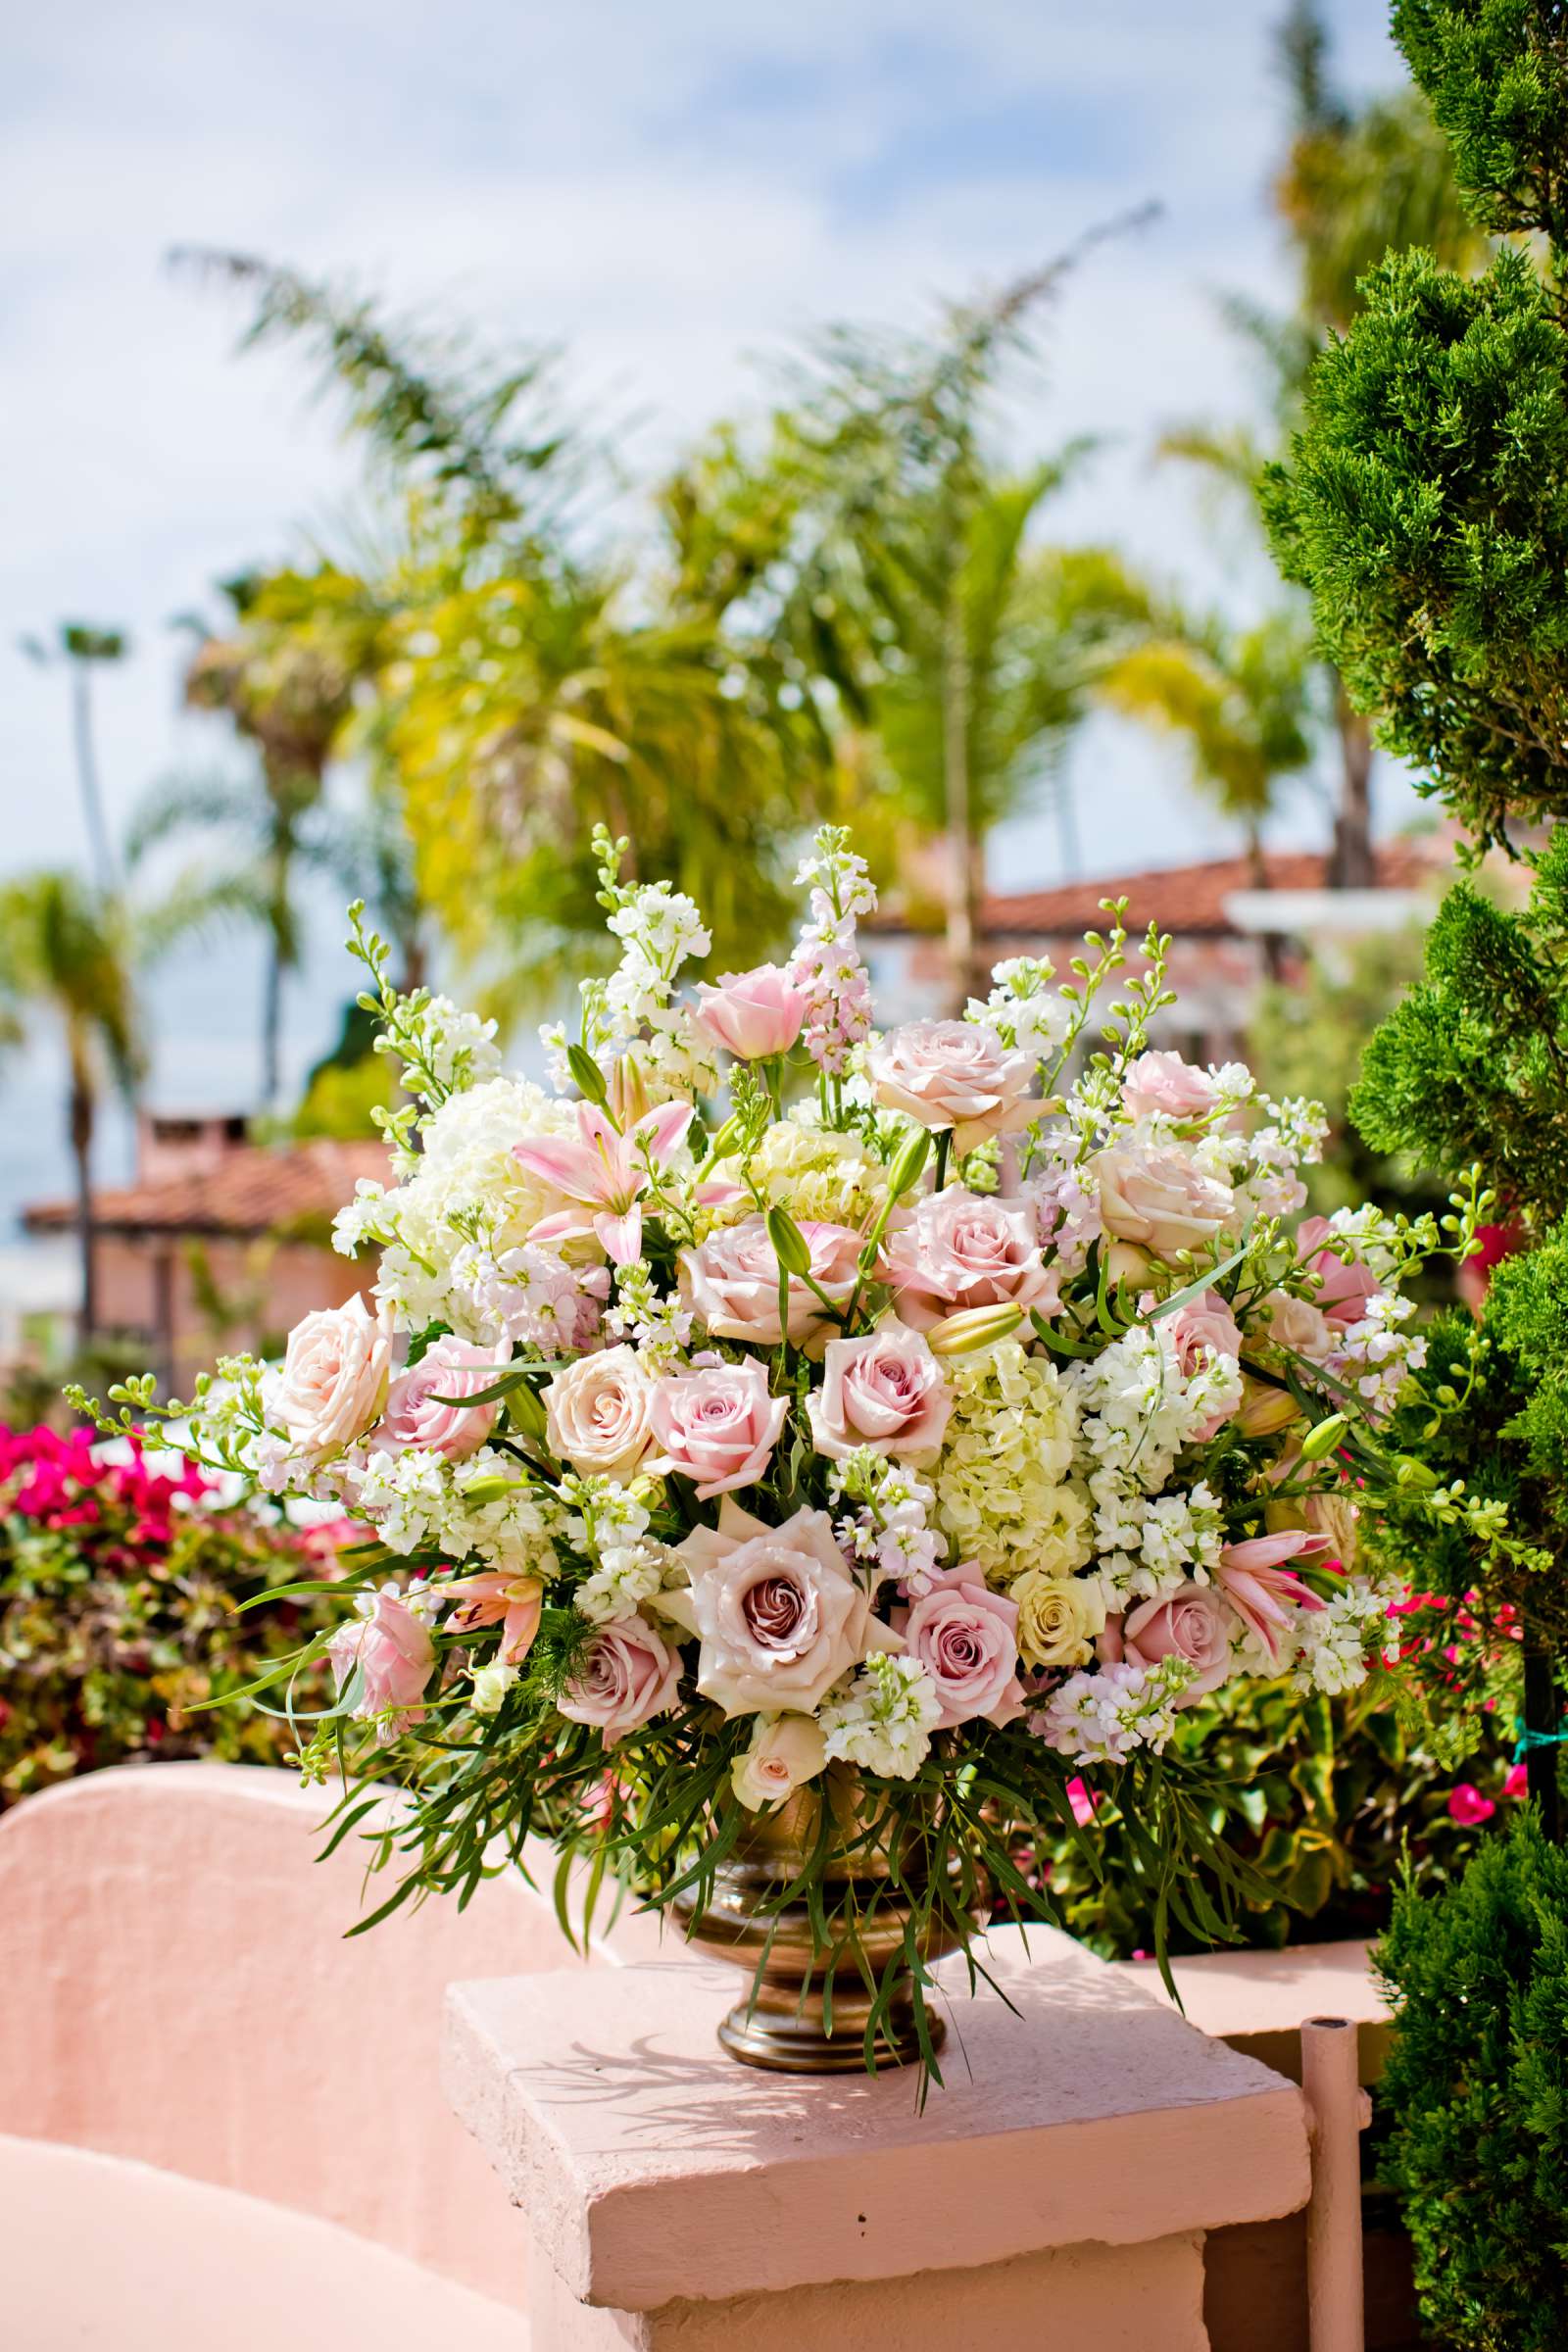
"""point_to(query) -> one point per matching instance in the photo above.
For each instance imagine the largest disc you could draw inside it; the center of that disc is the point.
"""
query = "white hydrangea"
(883, 1720)
(466, 1191)
(1003, 1480)
(820, 1177)
(1102, 1717)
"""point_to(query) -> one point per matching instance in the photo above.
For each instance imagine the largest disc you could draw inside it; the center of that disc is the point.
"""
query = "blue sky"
(672, 193)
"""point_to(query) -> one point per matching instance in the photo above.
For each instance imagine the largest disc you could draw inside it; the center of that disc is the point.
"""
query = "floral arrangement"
(771, 1398)
(120, 1576)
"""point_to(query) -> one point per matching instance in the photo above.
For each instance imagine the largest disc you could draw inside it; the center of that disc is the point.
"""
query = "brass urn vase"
(810, 2002)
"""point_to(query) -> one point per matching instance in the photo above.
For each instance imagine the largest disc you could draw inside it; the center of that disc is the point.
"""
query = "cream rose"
(886, 1391)
(1296, 1324)
(786, 1751)
(598, 1414)
(730, 1281)
(1157, 1196)
(778, 1614)
(1059, 1617)
(334, 1377)
(956, 1074)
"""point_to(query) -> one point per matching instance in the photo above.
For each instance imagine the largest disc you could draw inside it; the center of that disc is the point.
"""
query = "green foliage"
(1528, 1306)
(1478, 2141)
(1497, 75)
(1324, 1796)
(1425, 506)
(1473, 1066)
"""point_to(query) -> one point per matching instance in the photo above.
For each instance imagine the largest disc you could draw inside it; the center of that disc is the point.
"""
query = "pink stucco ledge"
(1256, 2000)
(654, 2168)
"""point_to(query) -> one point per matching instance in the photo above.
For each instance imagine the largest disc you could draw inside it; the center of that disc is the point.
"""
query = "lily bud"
(1324, 1438)
(1265, 1410)
(627, 1092)
(491, 1490)
(789, 1241)
(525, 1412)
(904, 1168)
(586, 1075)
(973, 1327)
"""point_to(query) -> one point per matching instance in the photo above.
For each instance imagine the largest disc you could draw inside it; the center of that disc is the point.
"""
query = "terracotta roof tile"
(1187, 900)
(254, 1189)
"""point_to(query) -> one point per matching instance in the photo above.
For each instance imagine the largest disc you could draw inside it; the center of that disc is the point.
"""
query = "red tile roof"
(1186, 900)
(254, 1189)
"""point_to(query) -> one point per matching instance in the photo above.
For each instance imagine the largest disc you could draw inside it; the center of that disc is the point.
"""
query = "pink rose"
(958, 1249)
(1203, 1331)
(393, 1653)
(718, 1425)
(1296, 1324)
(752, 1015)
(629, 1674)
(956, 1074)
(886, 1390)
(415, 1415)
(779, 1615)
(1345, 1288)
(1157, 1196)
(334, 1377)
(730, 1281)
(1163, 1082)
(1190, 1622)
(967, 1638)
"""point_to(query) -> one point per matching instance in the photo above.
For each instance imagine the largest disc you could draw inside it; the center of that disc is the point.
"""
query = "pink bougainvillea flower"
(1085, 1804)
(1261, 1589)
(1468, 1807)
(606, 1173)
(1517, 1782)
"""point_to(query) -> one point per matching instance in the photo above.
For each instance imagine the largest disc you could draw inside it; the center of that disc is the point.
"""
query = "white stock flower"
(883, 1720)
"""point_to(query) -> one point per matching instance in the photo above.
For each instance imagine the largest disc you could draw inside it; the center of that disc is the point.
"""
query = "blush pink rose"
(730, 1281)
(393, 1651)
(1203, 1331)
(886, 1390)
(1157, 1196)
(752, 1015)
(717, 1425)
(967, 1638)
(629, 1673)
(333, 1378)
(415, 1415)
(956, 1074)
(1164, 1083)
(776, 1609)
(1344, 1288)
(1296, 1324)
(1190, 1622)
(958, 1249)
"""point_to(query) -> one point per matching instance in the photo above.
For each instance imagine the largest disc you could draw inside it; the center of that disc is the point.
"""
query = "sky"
(674, 195)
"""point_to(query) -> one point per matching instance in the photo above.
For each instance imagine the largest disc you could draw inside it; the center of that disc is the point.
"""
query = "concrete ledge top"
(654, 2167)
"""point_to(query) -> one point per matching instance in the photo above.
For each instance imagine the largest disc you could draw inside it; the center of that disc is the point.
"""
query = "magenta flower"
(606, 1172)
(1468, 1807)
(1261, 1589)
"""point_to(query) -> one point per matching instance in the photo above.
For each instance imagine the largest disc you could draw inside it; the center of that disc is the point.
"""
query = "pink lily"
(1258, 1586)
(495, 1597)
(608, 1172)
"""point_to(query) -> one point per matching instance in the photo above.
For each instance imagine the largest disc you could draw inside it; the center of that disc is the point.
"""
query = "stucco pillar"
(1061, 2183)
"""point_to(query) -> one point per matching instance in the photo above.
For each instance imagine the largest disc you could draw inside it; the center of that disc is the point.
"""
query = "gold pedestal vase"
(808, 2007)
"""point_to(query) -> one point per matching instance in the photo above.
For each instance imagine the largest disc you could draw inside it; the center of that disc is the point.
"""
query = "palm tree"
(65, 959)
(1354, 181)
(1242, 701)
(83, 648)
(288, 700)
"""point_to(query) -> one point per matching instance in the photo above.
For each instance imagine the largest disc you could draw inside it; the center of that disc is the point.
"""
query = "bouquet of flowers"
(778, 1419)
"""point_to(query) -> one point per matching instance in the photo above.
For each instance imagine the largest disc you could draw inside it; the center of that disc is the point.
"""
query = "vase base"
(784, 2042)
